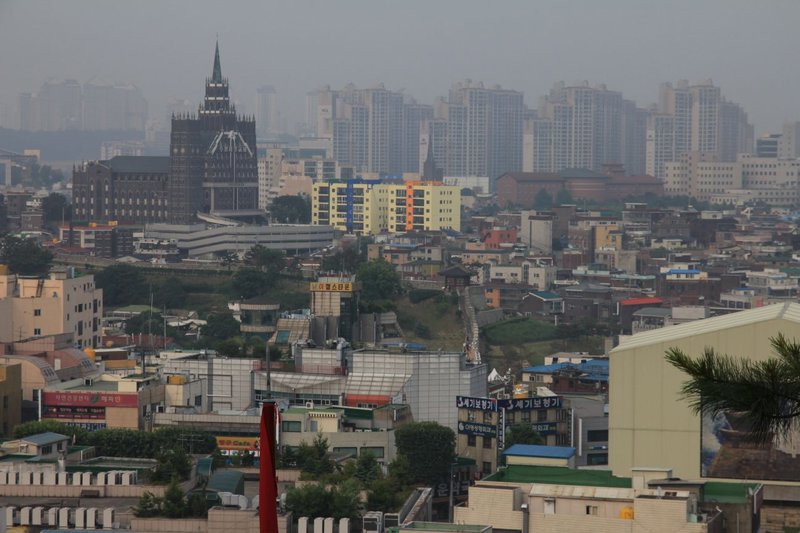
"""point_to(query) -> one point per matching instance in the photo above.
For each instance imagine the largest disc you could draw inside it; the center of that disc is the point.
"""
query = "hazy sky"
(748, 48)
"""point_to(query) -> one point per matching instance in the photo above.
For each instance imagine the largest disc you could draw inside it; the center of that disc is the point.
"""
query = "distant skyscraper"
(579, 126)
(213, 156)
(267, 116)
(95, 106)
(477, 131)
(695, 118)
(789, 146)
(373, 129)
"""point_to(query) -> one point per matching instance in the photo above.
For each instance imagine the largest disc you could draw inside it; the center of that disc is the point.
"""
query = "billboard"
(90, 399)
(479, 404)
(531, 404)
(727, 451)
(237, 444)
(336, 286)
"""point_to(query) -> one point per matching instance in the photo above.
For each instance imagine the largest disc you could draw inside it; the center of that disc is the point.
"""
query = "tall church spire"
(216, 77)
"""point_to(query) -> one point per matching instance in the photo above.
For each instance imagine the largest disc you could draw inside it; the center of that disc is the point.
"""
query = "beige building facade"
(650, 424)
(59, 303)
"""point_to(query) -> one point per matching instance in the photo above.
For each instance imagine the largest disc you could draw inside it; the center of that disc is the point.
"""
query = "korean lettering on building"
(472, 428)
(89, 399)
(545, 428)
(480, 404)
(531, 404)
(334, 286)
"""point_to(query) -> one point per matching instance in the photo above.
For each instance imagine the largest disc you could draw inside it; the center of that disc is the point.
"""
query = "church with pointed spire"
(213, 164)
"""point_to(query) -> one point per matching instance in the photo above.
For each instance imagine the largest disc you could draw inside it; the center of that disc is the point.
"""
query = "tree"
(367, 468)
(379, 281)
(173, 463)
(122, 285)
(174, 504)
(221, 326)
(170, 294)
(55, 209)
(522, 434)
(35, 427)
(429, 449)
(250, 282)
(384, 495)
(563, 196)
(543, 200)
(24, 256)
(310, 500)
(233, 347)
(265, 259)
(291, 210)
(765, 393)
(313, 458)
(347, 259)
(149, 506)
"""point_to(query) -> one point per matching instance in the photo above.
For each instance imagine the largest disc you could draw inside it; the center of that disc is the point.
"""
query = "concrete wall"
(498, 506)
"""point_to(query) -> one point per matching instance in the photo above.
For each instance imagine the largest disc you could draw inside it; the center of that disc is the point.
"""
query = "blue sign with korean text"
(531, 404)
(480, 404)
(471, 428)
(545, 428)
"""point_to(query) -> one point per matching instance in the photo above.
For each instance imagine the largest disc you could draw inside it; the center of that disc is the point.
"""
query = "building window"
(487, 468)
(597, 435)
(46, 450)
(472, 441)
(37, 331)
(198, 400)
(37, 312)
(291, 426)
(488, 417)
(487, 442)
(472, 416)
(377, 452)
(542, 416)
(591, 510)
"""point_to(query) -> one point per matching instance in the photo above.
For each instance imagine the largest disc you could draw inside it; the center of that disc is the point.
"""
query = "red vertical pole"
(267, 484)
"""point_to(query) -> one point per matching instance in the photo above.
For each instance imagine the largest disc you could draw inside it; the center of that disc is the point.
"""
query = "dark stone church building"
(212, 168)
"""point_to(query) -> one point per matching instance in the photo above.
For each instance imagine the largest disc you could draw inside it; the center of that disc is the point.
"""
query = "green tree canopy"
(379, 281)
(346, 259)
(367, 468)
(55, 209)
(522, 434)
(291, 210)
(765, 393)
(122, 285)
(221, 326)
(249, 282)
(265, 259)
(313, 458)
(43, 426)
(24, 256)
(429, 448)
(170, 294)
(543, 200)
(173, 463)
(563, 197)
(314, 500)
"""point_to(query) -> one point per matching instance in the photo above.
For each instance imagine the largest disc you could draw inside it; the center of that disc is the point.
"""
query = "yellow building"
(10, 398)
(651, 425)
(372, 207)
(56, 304)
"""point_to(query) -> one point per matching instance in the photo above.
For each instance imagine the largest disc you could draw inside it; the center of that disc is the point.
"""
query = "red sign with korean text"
(90, 399)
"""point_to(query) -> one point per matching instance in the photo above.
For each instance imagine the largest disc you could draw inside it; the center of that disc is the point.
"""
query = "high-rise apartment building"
(482, 135)
(789, 145)
(578, 126)
(375, 129)
(213, 164)
(267, 115)
(370, 207)
(95, 106)
(695, 118)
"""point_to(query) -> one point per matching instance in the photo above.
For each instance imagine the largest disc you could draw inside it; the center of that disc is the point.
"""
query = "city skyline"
(417, 47)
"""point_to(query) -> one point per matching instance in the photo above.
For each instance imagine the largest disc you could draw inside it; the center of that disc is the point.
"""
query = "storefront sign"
(472, 428)
(242, 444)
(89, 399)
(89, 426)
(480, 404)
(531, 404)
(336, 286)
(545, 428)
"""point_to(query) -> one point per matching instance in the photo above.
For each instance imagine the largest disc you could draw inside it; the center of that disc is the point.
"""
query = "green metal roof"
(559, 476)
(226, 481)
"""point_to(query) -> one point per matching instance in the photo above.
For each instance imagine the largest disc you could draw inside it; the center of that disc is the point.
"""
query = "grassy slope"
(446, 329)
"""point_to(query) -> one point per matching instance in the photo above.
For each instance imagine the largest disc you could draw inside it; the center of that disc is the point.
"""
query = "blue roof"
(596, 369)
(533, 450)
(48, 437)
